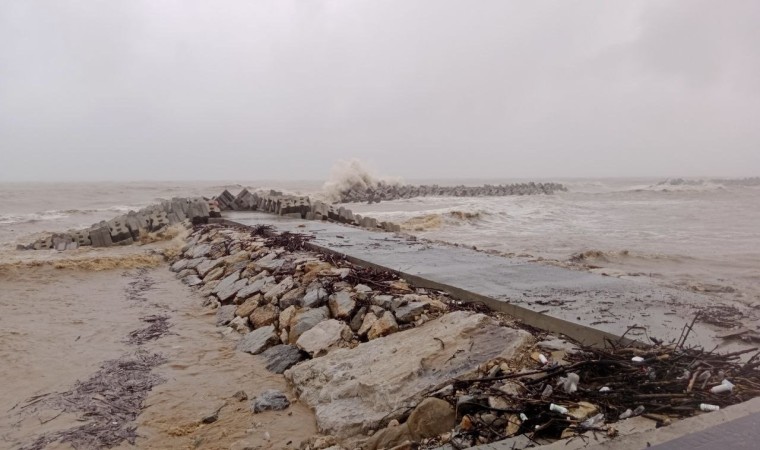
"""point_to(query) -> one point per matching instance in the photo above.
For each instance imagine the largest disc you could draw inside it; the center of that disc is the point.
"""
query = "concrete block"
(119, 230)
(226, 201)
(100, 235)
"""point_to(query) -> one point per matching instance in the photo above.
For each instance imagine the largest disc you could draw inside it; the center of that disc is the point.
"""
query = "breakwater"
(389, 191)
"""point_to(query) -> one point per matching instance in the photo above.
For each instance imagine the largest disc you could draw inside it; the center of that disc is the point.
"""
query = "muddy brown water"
(58, 327)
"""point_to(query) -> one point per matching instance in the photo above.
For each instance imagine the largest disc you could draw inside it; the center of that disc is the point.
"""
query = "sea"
(696, 234)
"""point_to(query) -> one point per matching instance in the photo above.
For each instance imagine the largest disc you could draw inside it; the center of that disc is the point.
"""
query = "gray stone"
(407, 312)
(352, 390)
(270, 400)
(207, 265)
(226, 282)
(341, 305)
(318, 340)
(180, 265)
(314, 297)
(358, 319)
(305, 320)
(229, 292)
(282, 357)
(255, 287)
(293, 297)
(192, 280)
(225, 314)
(199, 251)
(258, 340)
(275, 292)
(383, 301)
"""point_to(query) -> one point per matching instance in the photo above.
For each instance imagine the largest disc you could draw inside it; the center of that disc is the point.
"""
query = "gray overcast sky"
(139, 90)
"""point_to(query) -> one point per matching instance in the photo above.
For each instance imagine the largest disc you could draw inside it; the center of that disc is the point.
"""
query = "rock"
(184, 273)
(408, 312)
(255, 287)
(264, 315)
(315, 296)
(215, 274)
(285, 317)
(388, 438)
(240, 324)
(270, 400)
(358, 319)
(180, 265)
(293, 297)
(198, 251)
(226, 282)
(275, 292)
(240, 396)
(430, 418)
(383, 301)
(369, 320)
(192, 280)
(282, 357)
(324, 335)
(362, 289)
(305, 320)
(245, 309)
(258, 340)
(341, 305)
(351, 390)
(228, 291)
(206, 289)
(383, 326)
(207, 266)
(224, 315)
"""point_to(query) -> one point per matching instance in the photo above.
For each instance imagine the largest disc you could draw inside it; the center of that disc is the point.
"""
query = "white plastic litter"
(557, 408)
(637, 359)
(708, 408)
(724, 386)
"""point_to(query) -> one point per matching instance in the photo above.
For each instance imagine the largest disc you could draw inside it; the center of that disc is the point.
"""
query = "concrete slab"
(604, 303)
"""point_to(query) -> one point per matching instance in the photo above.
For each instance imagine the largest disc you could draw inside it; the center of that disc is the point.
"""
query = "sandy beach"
(60, 325)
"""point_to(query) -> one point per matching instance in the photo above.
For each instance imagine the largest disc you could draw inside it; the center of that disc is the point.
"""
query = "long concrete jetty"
(548, 297)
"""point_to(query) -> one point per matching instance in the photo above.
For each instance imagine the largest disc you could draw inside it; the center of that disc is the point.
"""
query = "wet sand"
(57, 326)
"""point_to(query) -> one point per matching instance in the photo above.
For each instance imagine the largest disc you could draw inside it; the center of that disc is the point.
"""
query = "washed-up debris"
(594, 388)
(159, 326)
(108, 403)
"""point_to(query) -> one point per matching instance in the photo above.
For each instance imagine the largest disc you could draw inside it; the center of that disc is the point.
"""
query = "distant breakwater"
(387, 191)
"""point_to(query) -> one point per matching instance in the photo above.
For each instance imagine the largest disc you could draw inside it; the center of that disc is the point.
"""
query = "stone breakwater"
(361, 347)
(128, 228)
(299, 207)
(386, 191)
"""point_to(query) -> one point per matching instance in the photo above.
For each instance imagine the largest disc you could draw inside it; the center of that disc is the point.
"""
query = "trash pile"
(590, 389)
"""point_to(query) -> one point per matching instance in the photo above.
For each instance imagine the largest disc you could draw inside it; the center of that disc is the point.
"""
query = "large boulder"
(352, 390)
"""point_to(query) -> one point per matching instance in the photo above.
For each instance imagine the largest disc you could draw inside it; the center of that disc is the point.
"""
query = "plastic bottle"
(626, 414)
(708, 408)
(557, 408)
(724, 386)
(593, 421)
(548, 391)
(637, 359)
(639, 410)
(542, 359)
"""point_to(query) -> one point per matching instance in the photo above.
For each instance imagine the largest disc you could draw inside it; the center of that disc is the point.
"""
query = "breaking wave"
(351, 175)
(435, 221)
(597, 256)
